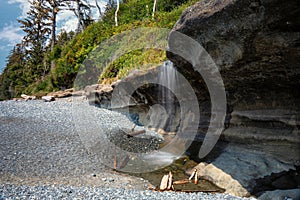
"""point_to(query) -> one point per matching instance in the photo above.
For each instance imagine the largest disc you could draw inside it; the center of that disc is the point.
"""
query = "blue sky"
(11, 34)
(9, 31)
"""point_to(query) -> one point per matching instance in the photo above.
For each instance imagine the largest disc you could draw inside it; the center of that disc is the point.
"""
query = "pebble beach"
(43, 156)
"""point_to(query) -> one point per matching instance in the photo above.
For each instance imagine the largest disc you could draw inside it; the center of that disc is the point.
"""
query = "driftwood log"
(27, 97)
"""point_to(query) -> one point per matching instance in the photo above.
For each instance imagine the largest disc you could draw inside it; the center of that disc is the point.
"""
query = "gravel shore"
(42, 155)
(69, 192)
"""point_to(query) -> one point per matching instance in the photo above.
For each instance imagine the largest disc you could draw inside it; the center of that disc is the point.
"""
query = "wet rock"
(284, 182)
(146, 142)
(281, 194)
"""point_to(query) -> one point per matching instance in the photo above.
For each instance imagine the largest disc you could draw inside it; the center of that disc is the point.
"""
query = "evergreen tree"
(13, 80)
(37, 28)
(54, 7)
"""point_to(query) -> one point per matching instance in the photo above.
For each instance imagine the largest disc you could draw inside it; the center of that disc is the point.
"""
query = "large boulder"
(255, 45)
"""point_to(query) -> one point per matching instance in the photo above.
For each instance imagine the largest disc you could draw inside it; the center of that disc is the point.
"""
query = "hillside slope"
(60, 66)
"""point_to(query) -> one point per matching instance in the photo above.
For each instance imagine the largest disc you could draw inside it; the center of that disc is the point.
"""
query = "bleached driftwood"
(27, 97)
(48, 98)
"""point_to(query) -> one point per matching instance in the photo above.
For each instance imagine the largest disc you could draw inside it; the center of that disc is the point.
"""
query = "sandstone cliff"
(255, 45)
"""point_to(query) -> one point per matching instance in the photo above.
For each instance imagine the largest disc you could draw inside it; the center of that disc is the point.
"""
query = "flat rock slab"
(236, 169)
(281, 194)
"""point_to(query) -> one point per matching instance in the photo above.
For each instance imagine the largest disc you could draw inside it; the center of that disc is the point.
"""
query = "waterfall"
(168, 80)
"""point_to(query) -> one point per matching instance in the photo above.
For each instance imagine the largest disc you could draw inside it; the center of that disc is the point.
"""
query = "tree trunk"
(99, 9)
(116, 13)
(154, 7)
(78, 14)
(53, 39)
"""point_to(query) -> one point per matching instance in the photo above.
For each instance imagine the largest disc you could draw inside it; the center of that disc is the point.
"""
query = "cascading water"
(168, 80)
(167, 77)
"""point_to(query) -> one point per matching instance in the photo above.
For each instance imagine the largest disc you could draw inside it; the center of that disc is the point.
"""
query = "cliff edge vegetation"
(39, 68)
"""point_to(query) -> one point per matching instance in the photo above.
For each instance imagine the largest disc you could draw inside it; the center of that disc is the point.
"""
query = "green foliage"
(41, 87)
(138, 59)
(71, 56)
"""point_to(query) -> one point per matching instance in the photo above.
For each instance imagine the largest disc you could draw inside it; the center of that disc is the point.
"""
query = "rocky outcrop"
(142, 104)
(99, 94)
(255, 45)
(66, 93)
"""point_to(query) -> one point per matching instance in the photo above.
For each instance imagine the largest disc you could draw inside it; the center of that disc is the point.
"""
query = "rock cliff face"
(256, 46)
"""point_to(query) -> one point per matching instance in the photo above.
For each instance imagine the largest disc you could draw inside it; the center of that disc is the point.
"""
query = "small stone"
(104, 179)
(48, 98)
(111, 180)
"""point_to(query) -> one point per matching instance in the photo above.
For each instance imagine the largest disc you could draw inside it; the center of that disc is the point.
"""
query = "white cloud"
(11, 35)
(66, 20)
(24, 6)
(102, 5)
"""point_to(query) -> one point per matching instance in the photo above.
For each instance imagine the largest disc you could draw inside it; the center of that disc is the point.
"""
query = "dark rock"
(291, 194)
(99, 95)
(255, 45)
(284, 182)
